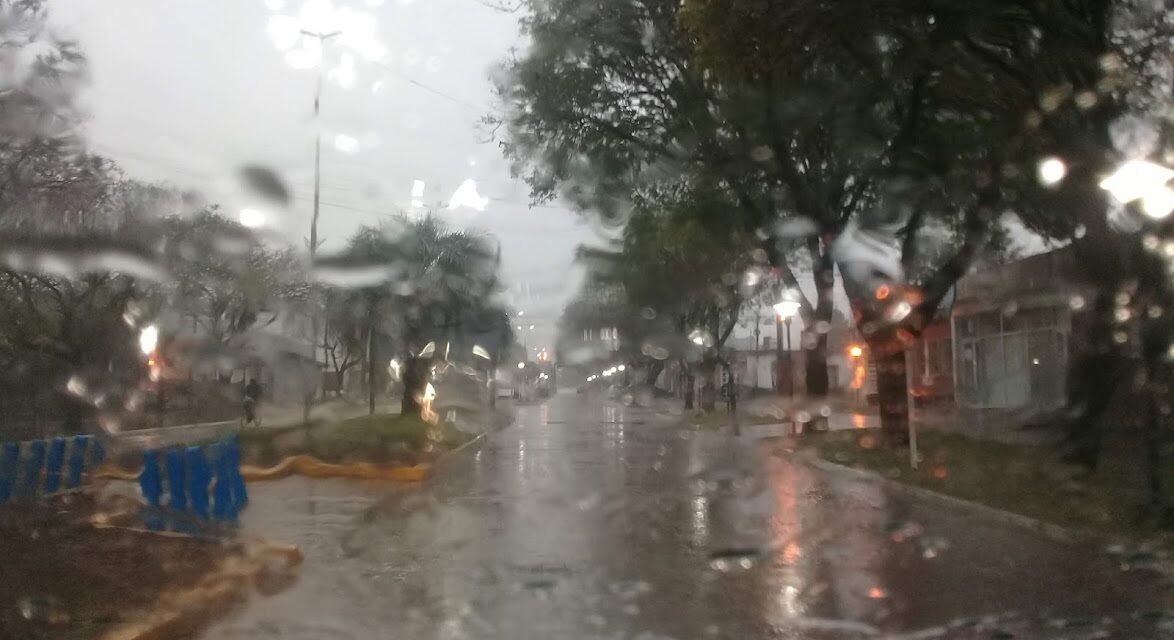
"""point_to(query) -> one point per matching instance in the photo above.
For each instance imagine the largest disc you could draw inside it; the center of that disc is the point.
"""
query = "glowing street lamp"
(1145, 181)
(786, 308)
(855, 351)
(148, 339)
(521, 365)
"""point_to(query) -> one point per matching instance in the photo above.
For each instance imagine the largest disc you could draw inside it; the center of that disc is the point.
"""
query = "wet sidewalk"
(590, 520)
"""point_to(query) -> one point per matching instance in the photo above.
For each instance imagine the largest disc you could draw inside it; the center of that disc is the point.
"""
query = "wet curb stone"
(446, 459)
(1047, 529)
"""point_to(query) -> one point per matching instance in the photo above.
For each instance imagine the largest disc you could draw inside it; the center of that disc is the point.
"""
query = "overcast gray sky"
(188, 91)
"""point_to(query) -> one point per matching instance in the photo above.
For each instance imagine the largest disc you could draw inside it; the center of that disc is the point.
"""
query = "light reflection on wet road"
(590, 520)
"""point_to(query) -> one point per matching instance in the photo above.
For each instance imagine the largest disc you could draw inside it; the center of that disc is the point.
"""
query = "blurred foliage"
(88, 258)
(887, 141)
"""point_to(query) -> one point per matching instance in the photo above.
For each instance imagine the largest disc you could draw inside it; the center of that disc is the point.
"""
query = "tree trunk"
(708, 400)
(688, 384)
(816, 365)
(415, 377)
(654, 370)
(371, 370)
(892, 392)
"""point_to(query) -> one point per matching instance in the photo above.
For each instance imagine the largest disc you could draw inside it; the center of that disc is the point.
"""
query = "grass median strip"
(378, 439)
(1029, 480)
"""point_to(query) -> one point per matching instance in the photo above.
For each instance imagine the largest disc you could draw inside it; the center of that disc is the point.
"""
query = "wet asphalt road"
(590, 520)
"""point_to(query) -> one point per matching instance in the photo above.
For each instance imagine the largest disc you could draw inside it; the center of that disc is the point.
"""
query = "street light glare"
(252, 218)
(346, 144)
(1145, 181)
(466, 196)
(621, 367)
(1052, 170)
(521, 365)
(148, 339)
(786, 308)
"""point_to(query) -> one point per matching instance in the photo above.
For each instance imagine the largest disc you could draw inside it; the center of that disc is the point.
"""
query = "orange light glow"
(859, 375)
(855, 351)
(883, 292)
(791, 552)
(876, 593)
(940, 473)
(857, 421)
(425, 399)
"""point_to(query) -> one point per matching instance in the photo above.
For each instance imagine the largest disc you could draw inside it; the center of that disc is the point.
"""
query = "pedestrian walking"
(251, 400)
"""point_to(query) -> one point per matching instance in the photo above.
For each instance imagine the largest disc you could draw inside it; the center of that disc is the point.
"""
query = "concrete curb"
(445, 459)
(479, 439)
(1046, 529)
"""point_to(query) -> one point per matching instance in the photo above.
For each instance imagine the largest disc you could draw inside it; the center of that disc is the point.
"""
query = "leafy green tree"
(418, 283)
(224, 281)
(854, 126)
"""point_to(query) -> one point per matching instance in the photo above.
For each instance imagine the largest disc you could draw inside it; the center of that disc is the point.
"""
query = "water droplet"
(1133, 136)
(1051, 171)
(1076, 303)
(346, 144)
(1053, 98)
(1111, 62)
(796, 227)
(264, 184)
(735, 558)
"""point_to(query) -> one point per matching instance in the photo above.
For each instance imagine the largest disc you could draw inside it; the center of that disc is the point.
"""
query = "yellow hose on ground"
(308, 466)
(110, 471)
(314, 468)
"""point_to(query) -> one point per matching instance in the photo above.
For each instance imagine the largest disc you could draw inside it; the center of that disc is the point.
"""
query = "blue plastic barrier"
(177, 479)
(34, 461)
(34, 468)
(54, 461)
(198, 483)
(9, 459)
(181, 479)
(150, 482)
(199, 478)
(77, 462)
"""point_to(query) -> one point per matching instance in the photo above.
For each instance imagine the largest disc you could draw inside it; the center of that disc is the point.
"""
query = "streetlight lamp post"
(314, 320)
(786, 308)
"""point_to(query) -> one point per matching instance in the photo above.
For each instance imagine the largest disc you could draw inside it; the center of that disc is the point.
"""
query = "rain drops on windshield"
(614, 319)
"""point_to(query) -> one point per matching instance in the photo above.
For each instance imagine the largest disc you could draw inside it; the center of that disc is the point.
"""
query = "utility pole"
(316, 326)
(782, 372)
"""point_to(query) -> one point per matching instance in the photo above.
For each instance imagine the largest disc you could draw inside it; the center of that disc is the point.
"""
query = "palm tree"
(414, 283)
